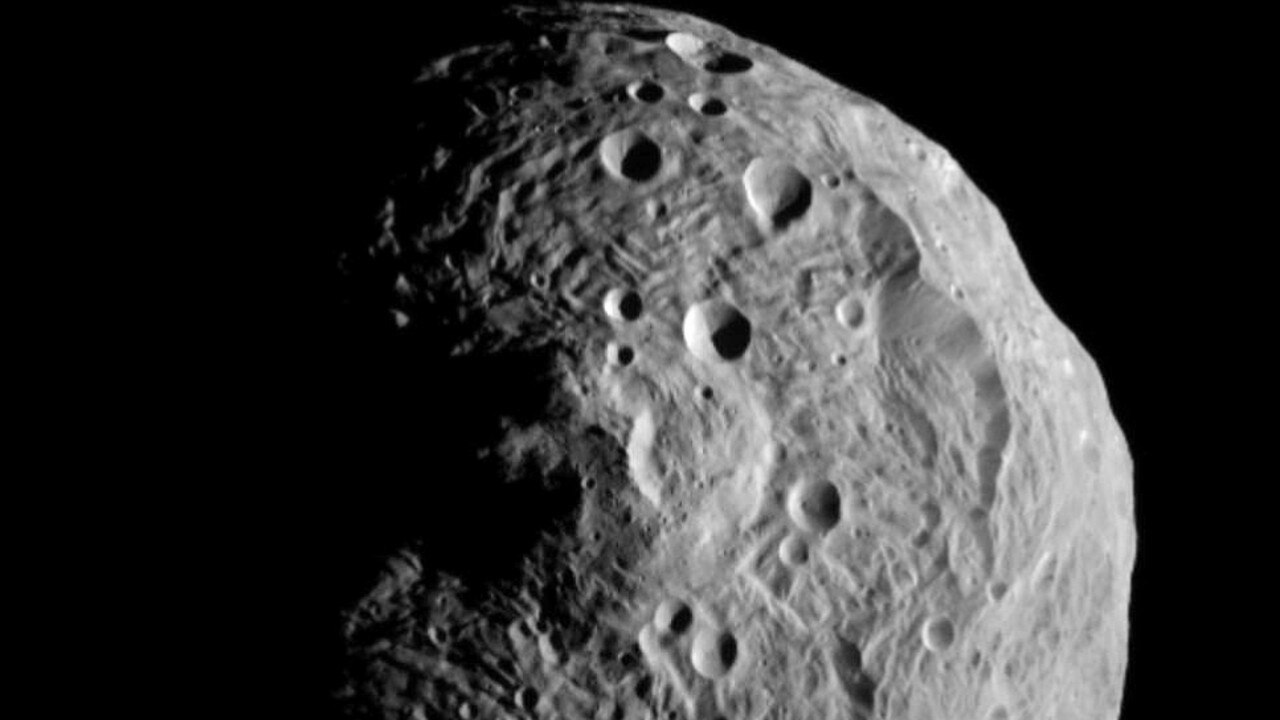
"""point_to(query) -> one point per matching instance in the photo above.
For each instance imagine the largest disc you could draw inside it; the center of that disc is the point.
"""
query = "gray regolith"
(790, 431)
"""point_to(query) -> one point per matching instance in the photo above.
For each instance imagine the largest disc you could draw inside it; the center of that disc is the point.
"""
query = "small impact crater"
(620, 355)
(526, 698)
(707, 104)
(672, 617)
(815, 505)
(645, 91)
(715, 330)
(713, 653)
(776, 190)
(996, 591)
(793, 551)
(630, 155)
(623, 305)
(850, 313)
(938, 633)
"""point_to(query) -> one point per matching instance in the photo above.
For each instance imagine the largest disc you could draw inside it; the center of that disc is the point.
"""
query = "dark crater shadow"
(797, 207)
(728, 63)
(642, 162)
(732, 339)
(647, 34)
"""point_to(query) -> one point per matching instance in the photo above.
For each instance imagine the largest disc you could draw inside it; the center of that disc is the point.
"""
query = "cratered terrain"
(766, 417)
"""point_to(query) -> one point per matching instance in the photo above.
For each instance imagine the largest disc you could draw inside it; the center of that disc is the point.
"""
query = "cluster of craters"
(813, 437)
(709, 649)
(688, 647)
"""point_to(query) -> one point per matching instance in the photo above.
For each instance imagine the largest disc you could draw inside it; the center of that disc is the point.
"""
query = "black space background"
(1071, 122)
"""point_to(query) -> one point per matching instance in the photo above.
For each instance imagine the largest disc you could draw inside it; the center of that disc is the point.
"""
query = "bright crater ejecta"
(780, 424)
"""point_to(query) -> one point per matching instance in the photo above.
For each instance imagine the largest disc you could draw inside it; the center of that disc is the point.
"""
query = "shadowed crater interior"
(728, 63)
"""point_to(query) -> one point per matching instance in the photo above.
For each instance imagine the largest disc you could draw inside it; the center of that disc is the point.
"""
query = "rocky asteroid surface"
(768, 419)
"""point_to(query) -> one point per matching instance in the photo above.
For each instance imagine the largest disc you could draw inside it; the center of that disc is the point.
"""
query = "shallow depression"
(938, 633)
(793, 551)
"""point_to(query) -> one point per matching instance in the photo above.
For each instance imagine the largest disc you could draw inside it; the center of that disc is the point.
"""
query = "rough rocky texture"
(769, 418)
